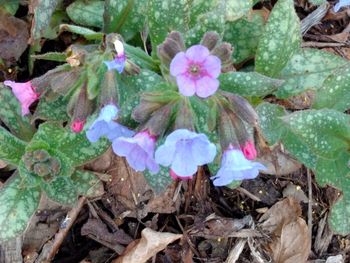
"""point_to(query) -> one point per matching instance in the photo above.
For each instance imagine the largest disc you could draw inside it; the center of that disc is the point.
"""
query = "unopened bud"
(210, 40)
(41, 169)
(64, 81)
(82, 109)
(41, 155)
(143, 111)
(55, 165)
(159, 120)
(177, 37)
(109, 88)
(227, 132)
(224, 52)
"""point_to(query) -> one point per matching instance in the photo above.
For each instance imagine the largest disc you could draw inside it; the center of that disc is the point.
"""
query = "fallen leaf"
(296, 192)
(335, 259)
(14, 36)
(149, 245)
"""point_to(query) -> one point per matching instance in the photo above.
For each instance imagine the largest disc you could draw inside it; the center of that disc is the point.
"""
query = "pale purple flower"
(105, 125)
(184, 151)
(25, 94)
(118, 63)
(196, 71)
(234, 167)
(138, 150)
(341, 4)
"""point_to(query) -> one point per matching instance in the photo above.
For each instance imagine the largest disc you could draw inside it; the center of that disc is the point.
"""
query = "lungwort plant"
(185, 104)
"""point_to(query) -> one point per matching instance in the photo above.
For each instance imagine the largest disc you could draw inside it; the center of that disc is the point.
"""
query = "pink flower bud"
(77, 126)
(249, 150)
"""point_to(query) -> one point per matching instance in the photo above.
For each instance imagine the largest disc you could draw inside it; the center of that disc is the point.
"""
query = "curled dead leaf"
(149, 245)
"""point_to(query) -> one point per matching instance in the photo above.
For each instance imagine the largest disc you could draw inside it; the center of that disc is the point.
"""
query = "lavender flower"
(234, 166)
(24, 92)
(196, 71)
(105, 126)
(118, 63)
(184, 151)
(138, 150)
(341, 4)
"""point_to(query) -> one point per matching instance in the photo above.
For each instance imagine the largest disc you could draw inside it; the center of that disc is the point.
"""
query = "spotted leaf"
(17, 205)
(87, 184)
(280, 40)
(86, 13)
(11, 148)
(237, 9)
(62, 190)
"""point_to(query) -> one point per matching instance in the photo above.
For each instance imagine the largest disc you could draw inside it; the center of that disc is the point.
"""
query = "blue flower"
(118, 63)
(184, 151)
(234, 166)
(105, 126)
(138, 151)
(341, 4)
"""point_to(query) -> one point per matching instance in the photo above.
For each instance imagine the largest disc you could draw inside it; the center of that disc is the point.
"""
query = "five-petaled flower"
(196, 71)
(118, 63)
(105, 125)
(24, 92)
(138, 150)
(184, 151)
(234, 166)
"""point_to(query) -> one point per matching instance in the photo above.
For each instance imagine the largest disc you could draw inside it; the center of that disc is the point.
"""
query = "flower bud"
(64, 81)
(227, 131)
(41, 169)
(108, 94)
(41, 155)
(172, 45)
(241, 132)
(81, 110)
(143, 111)
(159, 120)
(177, 37)
(210, 40)
(55, 165)
(224, 52)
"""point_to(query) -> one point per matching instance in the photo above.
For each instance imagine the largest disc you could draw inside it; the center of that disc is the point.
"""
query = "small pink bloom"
(177, 177)
(77, 126)
(196, 71)
(249, 150)
(24, 92)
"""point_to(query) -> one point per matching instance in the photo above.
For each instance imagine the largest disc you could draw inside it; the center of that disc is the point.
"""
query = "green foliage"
(280, 40)
(61, 190)
(18, 203)
(52, 110)
(160, 181)
(42, 16)
(307, 70)
(87, 183)
(335, 91)
(11, 148)
(86, 32)
(86, 13)
(237, 9)
(244, 35)
(248, 83)
(10, 115)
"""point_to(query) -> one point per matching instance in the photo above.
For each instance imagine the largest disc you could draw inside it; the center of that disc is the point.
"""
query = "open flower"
(196, 71)
(138, 151)
(341, 4)
(249, 150)
(24, 92)
(105, 125)
(118, 63)
(184, 151)
(234, 166)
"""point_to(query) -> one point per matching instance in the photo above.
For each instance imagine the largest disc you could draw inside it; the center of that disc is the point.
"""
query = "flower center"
(195, 70)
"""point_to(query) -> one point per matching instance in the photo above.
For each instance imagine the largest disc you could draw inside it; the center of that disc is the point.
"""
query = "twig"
(249, 194)
(234, 254)
(314, 18)
(317, 44)
(309, 212)
(46, 256)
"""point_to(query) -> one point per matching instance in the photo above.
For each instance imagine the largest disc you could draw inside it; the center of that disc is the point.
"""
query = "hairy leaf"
(86, 13)
(11, 148)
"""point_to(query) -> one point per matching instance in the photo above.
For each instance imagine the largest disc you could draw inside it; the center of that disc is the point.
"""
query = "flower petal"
(203, 151)
(212, 65)
(183, 163)
(197, 53)
(179, 64)
(187, 86)
(206, 86)
(165, 154)
(341, 4)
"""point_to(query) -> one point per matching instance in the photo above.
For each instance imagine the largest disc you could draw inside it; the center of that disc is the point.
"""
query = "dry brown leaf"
(295, 191)
(149, 245)
(13, 37)
(280, 214)
(293, 245)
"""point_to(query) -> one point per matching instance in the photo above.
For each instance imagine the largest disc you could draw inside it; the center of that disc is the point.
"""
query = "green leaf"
(317, 2)
(10, 114)
(52, 110)
(86, 13)
(126, 17)
(165, 16)
(61, 190)
(11, 148)
(52, 56)
(335, 92)
(95, 74)
(42, 15)
(160, 181)
(244, 34)
(280, 39)
(17, 205)
(10, 6)
(248, 83)
(129, 88)
(237, 9)
(307, 70)
(141, 58)
(87, 184)
(86, 32)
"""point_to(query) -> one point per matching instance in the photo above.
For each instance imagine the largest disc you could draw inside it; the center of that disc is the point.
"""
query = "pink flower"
(24, 92)
(196, 71)
(249, 150)
(77, 126)
(177, 177)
